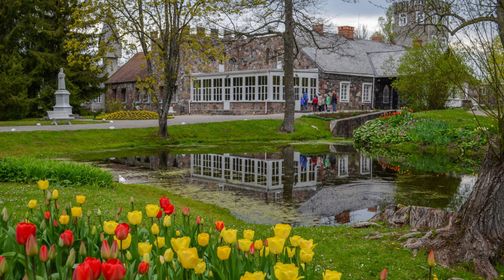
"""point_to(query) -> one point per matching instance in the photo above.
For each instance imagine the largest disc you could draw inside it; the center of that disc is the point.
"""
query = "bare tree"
(362, 32)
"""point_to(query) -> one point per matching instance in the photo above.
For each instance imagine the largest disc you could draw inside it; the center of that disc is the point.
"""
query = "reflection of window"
(343, 166)
(262, 173)
(276, 172)
(217, 166)
(365, 165)
(344, 91)
(207, 165)
(366, 92)
(386, 94)
(237, 169)
(403, 19)
(249, 173)
(227, 168)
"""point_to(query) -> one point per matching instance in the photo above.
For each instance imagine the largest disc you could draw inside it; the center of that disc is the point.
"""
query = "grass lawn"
(456, 118)
(65, 143)
(34, 121)
(342, 248)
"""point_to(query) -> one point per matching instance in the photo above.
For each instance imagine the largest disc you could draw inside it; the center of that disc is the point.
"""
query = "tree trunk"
(288, 41)
(477, 235)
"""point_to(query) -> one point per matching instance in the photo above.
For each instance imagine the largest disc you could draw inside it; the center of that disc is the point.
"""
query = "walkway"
(183, 119)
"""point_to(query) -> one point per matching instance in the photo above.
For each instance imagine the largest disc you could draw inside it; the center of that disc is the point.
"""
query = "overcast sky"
(354, 13)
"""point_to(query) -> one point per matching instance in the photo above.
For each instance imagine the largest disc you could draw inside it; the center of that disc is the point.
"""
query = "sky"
(354, 12)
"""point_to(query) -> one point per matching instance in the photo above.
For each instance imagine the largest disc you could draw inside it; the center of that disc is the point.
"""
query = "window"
(386, 94)
(98, 99)
(313, 88)
(207, 90)
(276, 87)
(367, 90)
(217, 89)
(403, 19)
(420, 17)
(344, 91)
(217, 166)
(197, 90)
(227, 89)
(138, 96)
(238, 88)
(304, 86)
(123, 95)
(262, 89)
(343, 166)
(250, 86)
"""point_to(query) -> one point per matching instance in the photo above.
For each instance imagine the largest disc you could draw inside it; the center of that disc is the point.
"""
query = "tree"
(362, 32)
(387, 26)
(427, 75)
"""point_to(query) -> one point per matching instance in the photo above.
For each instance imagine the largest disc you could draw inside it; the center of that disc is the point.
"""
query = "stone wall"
(330, 82)
(345, 127)
(237, 108)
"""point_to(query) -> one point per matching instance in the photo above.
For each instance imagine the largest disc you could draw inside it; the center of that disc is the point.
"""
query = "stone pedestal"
(62, 96)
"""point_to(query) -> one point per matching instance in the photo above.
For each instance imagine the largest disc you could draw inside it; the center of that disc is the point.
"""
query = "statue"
(62, 96)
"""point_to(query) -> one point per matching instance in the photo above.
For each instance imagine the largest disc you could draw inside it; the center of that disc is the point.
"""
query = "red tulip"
(159, 214)
(105, 250)
(31, 246)
(83, 272)
(169, 209)
(3, 265)
(164, 202)
(67, 238)
(122, 231)
(47, 215)
(198, 220)
(143, 268)
(95, 265)
(24, 231)
(431, 259)
(383, 274)
(55, 223)
(186, 211)
(43, 255)
(252, 248)
(113, 269)
(219, 225)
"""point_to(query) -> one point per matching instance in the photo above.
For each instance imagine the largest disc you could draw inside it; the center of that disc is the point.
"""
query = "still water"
(339, 186)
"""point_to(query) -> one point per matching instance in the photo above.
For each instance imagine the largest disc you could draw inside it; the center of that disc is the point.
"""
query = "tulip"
(82, 249)
(31, 246)
(67, 238)
(252, 249)
(83, 272)
(291, 252)
(177, 233)
(200, 267)
(258, 275)
(180, 243)
(52, 252)
(244, 245)
(223, 252)
(109, 227)
(135, 217)
(43, 184)
(276, 245)
(64, 219)
(167, 221)
(188, 257)
(203, 239)
(219, 225)
(295, 240)
(306, 256)
(43, 254)
(383, 274)
(164, 202)
(113, 269)
(95, 266)
(5, 215)
(258, 245)
(55, 195)
(114, 250)
(32, 203)
(229, 235)
(282, 230)
(129, 257)
(80, 199)
(125, 243)
(55, 223)
(286, 271)
(151, 210)
(71, 258)
(105, 250)
(198, 220)
(122, 231)
(24, 231)
(144, 248)
(169, 209)
(159, 214)
(332, 275)
(160, 242)
(248, 234)
(168, 255)
(431, 259)
(306, 244)
(47, 215)
(154, 229)
(143, 268)
(76, 212)
(3, 266)
(434, 276)
(186, 211)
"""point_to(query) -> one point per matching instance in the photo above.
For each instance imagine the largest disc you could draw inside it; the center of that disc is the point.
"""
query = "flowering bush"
(154, 242)
(130, 115)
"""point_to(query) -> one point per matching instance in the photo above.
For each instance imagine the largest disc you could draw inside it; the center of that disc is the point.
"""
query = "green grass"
(34, 121)
(66, 143)
(456, 118)
(342, 248)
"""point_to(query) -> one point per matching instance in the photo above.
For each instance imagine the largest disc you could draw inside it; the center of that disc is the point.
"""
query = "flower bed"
(130, 115)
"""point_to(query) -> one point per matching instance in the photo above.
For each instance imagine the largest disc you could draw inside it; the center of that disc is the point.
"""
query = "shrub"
(65, 174)
(130, 115)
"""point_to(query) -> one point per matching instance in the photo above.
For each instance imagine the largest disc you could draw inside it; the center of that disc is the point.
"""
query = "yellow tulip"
(306, 256)
(144, 248)
(55, 194)
(154, 229)
(264, 252)
(258, 244)
(32, 203)
(177, 233)
(64, 219)
(151, 210)
(203, 239)
(253, 276)
(223, 252)
(188, 257)
(244, 245)
(180, 243)
(286, 271)
(80, 199)
(306, 244)
(276, 245)
(229, 235)
(43, 184)
(109, 227)
(295, 240)
(331, 275)
(291, 252)
(200, 267)
(135, 217)
(76, 212)
(125, 244)
(167, 221)
(248, 234)
(160, 242)
(282, 230)
(168, 255)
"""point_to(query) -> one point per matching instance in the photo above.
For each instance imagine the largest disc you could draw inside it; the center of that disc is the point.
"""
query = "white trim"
(347, 99)
(367, 101)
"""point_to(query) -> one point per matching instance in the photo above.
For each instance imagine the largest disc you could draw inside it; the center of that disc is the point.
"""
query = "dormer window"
(403, 19)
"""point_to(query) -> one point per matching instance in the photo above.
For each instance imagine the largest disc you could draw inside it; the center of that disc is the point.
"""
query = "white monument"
(62, 96)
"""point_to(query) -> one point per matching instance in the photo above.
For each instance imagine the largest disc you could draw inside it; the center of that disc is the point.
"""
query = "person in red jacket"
(315, 103)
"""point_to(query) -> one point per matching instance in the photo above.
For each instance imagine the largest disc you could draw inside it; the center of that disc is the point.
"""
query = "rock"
(365, 225)
(410, 235)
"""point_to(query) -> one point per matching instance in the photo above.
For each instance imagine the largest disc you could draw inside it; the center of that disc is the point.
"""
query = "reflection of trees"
(288, 173)
(163, 160)
(428, 190)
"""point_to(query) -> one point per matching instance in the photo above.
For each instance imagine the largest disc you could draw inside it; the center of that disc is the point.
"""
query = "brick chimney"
(377, 37)
(319, 28)
(346, 31)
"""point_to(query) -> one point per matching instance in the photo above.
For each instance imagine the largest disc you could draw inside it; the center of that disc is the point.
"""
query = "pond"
(338, 186)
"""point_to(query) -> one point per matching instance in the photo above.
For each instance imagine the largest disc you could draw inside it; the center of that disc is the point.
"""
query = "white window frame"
(419, 17)
(403, 19)
(370, 94)
(346, 97)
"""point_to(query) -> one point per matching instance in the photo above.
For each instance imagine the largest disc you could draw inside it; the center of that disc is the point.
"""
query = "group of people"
(320, 103)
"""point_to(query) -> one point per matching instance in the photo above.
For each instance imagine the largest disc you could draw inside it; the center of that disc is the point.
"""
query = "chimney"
(319, 28)
(346, 31)
(377, 37)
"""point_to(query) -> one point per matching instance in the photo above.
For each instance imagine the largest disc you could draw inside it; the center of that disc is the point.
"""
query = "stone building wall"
(237, 108)
(330, 82)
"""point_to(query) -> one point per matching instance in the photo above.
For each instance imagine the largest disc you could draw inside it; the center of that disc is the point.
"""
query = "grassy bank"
(342, 248)
(64, 143)
(29, 122)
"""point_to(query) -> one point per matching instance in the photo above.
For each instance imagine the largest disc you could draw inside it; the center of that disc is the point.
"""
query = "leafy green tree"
(427, 75)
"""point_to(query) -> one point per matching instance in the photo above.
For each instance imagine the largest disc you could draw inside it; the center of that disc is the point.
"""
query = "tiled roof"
(132, 70)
